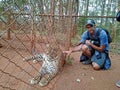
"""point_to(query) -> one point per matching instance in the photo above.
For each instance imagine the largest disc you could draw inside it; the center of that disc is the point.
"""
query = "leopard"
(50, 64)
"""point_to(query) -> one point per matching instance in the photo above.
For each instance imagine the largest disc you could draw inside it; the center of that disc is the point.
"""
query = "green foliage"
(80, 22)
(43, 33)
(18, 2)
(117, 34)
(75, 40)
(22, 1)
(1, 7)
(69, 60)
(10, 6)
(2, 18)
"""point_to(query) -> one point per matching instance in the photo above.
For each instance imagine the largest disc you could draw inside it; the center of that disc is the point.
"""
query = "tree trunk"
(87, 5)
(116, 24)
(52, 17)
(33, 34)
(41, 7)
(103, 10)
(9, 28)
(69, 21)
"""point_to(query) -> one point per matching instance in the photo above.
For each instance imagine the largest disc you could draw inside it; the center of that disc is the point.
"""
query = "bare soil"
(65, 80)
(89, 78)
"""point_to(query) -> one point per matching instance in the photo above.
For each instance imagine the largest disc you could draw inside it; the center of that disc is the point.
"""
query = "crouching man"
(94, 46)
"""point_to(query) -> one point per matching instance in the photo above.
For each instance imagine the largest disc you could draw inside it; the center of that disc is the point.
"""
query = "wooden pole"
(52, 17)
(9, 28)
(33, 34)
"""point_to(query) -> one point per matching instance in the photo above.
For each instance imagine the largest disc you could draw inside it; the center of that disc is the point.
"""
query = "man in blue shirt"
(90, 50)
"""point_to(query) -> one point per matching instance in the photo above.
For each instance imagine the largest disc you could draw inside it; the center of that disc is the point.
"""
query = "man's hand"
(68, 52)
(73, 49)
(88, 42)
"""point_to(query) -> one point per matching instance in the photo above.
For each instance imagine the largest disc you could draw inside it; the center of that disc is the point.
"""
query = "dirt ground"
(89, 79)
(67, 79)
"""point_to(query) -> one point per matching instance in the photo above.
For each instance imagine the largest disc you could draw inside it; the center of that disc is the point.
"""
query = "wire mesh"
(26, 29)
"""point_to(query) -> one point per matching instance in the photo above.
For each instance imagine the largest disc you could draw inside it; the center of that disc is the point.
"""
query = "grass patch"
(75, 40)
(69, 60)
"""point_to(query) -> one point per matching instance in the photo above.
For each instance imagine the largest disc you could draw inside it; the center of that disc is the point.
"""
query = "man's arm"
(74, 49)
(100, 48)
(78, 47)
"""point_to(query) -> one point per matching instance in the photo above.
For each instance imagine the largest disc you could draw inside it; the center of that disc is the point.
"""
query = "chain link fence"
(24, 32)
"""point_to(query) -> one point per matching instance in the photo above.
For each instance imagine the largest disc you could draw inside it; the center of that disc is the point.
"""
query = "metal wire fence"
(22, 34)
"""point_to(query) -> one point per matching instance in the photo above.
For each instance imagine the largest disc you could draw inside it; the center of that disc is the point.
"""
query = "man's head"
(90, 25)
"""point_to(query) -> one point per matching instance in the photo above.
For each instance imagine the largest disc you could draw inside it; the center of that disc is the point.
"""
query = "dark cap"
(90, 22)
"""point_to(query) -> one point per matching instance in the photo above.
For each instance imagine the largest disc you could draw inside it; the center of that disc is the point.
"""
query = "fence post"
(9, 28)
